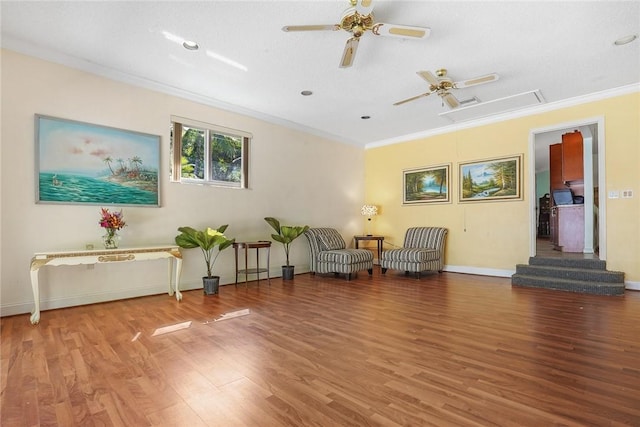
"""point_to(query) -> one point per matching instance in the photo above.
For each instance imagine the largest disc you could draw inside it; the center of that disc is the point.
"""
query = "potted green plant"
(211, 242)
(286, 234)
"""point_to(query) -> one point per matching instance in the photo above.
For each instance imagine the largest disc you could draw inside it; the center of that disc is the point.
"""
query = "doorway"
(594, 180)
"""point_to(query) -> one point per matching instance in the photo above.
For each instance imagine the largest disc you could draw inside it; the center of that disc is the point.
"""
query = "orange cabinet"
(572, 155)
(555, 167)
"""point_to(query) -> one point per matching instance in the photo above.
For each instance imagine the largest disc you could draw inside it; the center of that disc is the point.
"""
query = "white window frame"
(176, 155)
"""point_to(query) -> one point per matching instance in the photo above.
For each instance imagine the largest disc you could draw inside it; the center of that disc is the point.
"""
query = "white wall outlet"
(614, 194)
(627, 194)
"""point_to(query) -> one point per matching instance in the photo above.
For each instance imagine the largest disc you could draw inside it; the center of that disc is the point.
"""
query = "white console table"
(100, 256)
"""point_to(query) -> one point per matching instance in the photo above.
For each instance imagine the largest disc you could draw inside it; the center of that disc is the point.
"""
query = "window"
(206, 153)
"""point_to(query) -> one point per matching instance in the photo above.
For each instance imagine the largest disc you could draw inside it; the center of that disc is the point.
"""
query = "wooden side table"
(246, 246)
(379, 240)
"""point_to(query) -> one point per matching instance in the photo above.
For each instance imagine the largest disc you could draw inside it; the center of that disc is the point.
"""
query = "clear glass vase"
(111, 239)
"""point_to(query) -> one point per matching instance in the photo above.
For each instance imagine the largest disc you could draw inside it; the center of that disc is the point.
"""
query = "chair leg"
(418, 275)
(348, 276)
(370, 271)
(384, 270)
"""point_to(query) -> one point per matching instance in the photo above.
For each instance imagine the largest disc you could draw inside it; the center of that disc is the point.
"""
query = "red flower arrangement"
(112, 221)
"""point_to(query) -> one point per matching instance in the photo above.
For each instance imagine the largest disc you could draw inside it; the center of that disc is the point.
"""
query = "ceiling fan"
(441, 84)
(358, 19)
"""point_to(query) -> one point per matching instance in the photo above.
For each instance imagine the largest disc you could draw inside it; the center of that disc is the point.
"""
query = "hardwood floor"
(445, 350)
(544, 248)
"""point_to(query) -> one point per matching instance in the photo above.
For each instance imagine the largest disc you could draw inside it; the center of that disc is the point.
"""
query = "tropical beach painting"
(426, 185)
(82, 163)
(491, 180)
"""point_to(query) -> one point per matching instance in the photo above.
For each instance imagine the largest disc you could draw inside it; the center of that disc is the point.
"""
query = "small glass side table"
(246, 246)
(379, 240)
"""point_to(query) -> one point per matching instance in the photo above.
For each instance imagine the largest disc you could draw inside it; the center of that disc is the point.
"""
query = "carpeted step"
(592, 264)
(571, 273)
(595, 288)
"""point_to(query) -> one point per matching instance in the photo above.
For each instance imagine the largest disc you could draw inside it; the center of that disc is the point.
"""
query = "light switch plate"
(627, 194)
(614, 194)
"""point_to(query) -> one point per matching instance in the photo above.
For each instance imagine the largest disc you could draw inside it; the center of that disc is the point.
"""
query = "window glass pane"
(225, 153)
(192, 161)
(205, 153)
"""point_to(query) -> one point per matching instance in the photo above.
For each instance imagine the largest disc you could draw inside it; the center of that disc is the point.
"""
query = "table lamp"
(369, 211)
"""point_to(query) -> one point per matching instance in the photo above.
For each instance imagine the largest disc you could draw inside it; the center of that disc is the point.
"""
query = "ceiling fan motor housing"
(355, 23)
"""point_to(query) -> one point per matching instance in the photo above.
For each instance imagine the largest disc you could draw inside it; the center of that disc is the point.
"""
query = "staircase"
(587, 276)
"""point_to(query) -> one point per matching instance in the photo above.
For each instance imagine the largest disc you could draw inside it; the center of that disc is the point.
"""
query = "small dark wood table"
(378, 239)
(262, 244)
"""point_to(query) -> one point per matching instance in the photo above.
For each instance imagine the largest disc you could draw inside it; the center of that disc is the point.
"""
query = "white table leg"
(35, 314)
(176, 280)
(170, 264)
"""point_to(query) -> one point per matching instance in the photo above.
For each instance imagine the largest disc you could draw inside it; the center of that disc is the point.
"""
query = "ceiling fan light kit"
(357, 20)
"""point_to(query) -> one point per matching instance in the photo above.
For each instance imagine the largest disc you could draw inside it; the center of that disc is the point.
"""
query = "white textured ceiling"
(563, 49)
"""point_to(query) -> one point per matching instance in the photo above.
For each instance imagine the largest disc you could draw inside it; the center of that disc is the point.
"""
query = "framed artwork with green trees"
(426, 185)
(82, 163)
(491, 180)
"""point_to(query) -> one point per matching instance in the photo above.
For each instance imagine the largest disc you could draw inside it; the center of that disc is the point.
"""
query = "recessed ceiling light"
(365, 117)
(624, 40)
(306, 93)
(189, 45)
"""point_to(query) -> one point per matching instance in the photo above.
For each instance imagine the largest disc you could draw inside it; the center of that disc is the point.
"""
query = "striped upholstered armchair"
(423, 250)
(329, 254)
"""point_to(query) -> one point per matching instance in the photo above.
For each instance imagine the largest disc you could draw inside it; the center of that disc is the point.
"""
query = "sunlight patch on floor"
(171, 328)
(232, 314)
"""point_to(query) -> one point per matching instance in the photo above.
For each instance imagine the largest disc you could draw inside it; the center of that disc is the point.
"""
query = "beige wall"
(297, 177)
(493, 237)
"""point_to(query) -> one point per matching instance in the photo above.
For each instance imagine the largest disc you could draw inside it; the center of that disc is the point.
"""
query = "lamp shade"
(369, 210)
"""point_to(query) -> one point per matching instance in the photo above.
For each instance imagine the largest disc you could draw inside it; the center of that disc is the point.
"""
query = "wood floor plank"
(444, 350)
(178, 415)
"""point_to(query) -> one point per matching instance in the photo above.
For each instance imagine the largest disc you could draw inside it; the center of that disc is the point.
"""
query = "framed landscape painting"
(491, 180)
(82, 163)
(426, 185)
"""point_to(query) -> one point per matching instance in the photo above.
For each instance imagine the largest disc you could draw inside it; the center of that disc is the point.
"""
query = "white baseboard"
(479, 271)
(632, 286)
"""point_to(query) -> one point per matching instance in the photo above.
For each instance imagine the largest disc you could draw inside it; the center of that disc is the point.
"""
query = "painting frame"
(502, 179)
(439, 192)
(82, 163)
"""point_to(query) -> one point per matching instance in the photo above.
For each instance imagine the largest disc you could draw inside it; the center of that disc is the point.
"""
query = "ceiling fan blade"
(429, 77)
(334, 27)
(413, 98)
(402, 31)
(476, 81)
(349, 52)
(364, 7)
(451, 100)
